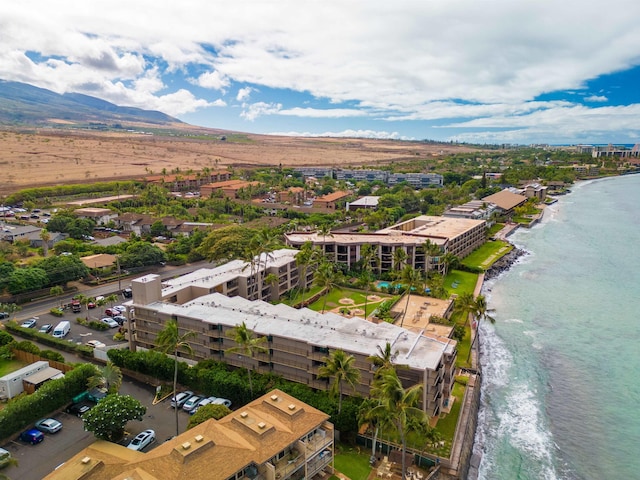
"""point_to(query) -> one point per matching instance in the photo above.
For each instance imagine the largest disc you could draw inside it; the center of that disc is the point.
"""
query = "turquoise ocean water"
(561, 365)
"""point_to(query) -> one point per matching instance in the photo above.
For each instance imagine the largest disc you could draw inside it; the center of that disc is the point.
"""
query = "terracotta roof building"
(331, 200)
(506, 200)
(274, 437)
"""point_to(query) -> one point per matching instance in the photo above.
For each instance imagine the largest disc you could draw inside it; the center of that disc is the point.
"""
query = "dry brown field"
(50, 157)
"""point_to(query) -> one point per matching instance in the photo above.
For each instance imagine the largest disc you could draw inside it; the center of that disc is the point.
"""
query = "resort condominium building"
(298, 340)
(459, 236)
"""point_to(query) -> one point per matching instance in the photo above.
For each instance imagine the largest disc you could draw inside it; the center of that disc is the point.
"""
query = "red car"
(111, 312)
(91, 305)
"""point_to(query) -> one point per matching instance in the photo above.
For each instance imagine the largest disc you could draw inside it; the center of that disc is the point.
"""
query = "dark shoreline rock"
(503, 264)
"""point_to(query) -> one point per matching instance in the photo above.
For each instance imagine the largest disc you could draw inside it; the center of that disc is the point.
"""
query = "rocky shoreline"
(504, 263)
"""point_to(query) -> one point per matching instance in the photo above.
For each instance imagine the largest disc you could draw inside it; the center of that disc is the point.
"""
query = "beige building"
(276, 437)
(298, 340)
(459, 236)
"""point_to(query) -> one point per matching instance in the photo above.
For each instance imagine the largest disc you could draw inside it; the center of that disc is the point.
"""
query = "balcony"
(289, 464)
(318, 442)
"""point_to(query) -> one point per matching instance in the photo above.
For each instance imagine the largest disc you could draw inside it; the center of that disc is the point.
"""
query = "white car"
(110, 321)
(191, 403)
(95, 344)
(222, 401)
(142, 440)
(181, 398)
(202, 403)
(120, 308)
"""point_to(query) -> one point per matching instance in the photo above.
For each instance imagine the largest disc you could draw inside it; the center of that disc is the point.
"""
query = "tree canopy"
(109, 417)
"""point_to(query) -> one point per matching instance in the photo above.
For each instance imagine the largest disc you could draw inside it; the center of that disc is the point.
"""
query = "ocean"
(561, 364)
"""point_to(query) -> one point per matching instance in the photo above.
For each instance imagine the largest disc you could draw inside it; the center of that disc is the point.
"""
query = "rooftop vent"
(261, 425)
(274, 397)
(86, 460)
(186, 446)
(292, 406)
(199, 438)
(244, 414)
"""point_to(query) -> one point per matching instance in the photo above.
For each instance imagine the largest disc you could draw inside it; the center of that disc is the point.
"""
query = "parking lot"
(36, 461)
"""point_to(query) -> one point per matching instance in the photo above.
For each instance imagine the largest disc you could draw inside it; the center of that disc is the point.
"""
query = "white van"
(62, 329)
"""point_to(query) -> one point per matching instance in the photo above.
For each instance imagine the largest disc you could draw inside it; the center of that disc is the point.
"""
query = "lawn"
(446, 426)
(460, 282)
(300, 296)
(352, 462)
(495, 228)
(8, 366)
(487, 254)
(358, 297)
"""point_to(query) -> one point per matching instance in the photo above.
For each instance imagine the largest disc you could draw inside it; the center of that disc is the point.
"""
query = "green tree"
(480, 313)
(27, 279)
(384, 360)
(109, 377)
(369, 257)
(327, 278)
(431, 250)
(171, 341)
(56, 291)
(206, 412)
(246, 344)
(411, 279)
(140, 254)
(110, 415)
(340, 367)
(465, 305)
(45, 236)
(399, 259)
(450, 261)
(10, 308)
(63, 268)
(376, 418)
(400, 406)
(227, 243)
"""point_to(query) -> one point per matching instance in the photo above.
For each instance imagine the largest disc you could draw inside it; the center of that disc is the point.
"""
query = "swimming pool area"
(384, 284)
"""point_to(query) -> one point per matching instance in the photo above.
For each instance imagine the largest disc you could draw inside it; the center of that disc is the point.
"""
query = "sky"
(477, 71)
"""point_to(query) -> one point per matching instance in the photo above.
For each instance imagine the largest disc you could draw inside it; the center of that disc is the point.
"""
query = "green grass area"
(460, 282)
(495, 228)
(487, 254)
(353, 462)
(358, 297)
(300, 296)
(446, 426)
(8, 366)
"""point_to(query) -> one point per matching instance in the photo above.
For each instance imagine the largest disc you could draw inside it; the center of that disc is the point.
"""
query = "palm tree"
(326, 278)
(399, 257)
(45, 236)
(378, 418)
(480, 313)
(246, 344)
(369, 256)
(411, 278)
(56, 292)
(304, 258)
(272, 281)
(169, 340)
(109, 376)
(340, 366)
(400, 406)
(449, 260)
(384, 360)
(465, 304)
(111, 299)
(430, 250)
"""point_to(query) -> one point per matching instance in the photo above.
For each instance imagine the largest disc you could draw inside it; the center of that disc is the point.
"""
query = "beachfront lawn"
(495, 228)
(352, 462)
(8, 366)
(487, 254)
(446, 426)
(460, 282)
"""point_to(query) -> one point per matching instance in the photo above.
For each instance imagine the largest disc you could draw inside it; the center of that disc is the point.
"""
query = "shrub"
(52, 355)
(56, 312)
(98, 325)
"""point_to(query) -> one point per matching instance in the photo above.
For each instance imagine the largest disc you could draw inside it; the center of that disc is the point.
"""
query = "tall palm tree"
(57, 291)
(465, 304)
(246, 344)
(304, 259)
(369, 257)
(400, 405)
(430, 250)
(384, 360)
(327, 277)
(109, 376)
(340, 366)
(170, 340)
(410, 278)
(449, 260)
(111, 299)
(45, 236)
(272, 281)
(378, 418)
(481, 313)
(399, 258)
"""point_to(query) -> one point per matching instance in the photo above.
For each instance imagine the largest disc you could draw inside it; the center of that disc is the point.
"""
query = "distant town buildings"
(415, 180)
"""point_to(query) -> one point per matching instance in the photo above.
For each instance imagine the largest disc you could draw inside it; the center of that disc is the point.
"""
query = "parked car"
(120, 319)
(120, 308)
(91, 305)
(78, 409)
(179, 400)
(49, 425)
(99, 298)
(142, 440)
(127, 292)
(31, 323)
(95, 344)
(110, 321)
(4, 315)
(46, 328)
(5, 457)
(191, 403)
(222, 401)
(111, 312)
(32, 436)
(202, 403)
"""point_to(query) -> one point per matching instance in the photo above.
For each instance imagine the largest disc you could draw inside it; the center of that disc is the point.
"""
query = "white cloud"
(213, 80)
(255, 110)
(381, 135)
(596, 98)
(244, 94)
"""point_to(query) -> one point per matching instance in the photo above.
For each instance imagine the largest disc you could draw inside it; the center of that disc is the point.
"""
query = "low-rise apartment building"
(416, 180)
(459, 236)
(298, 340)
(275, 437)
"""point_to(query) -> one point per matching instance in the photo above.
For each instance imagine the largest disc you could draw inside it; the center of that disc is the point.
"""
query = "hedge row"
(210, 377)
(22, 411)
(45, 338)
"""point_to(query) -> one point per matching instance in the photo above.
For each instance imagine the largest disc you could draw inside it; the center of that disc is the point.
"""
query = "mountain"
(24, 104)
